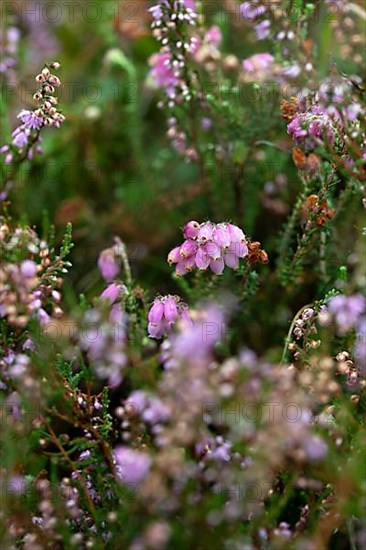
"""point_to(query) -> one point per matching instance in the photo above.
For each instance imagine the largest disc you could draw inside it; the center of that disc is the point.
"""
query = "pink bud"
(186, 265)
(111, 293)
(188, 248)
(213, 250)
(155, 330)
(222, 236)
(217, 266)
(43, 317)
(191, 229)
(156, 312)
(56, 295)
(202, 259)
(170, 309)
(238, 249)
(174, 257)
(205, 233)
(231, 260)
(118, 317)
(108, 265)
(185, 317)
(236, 234)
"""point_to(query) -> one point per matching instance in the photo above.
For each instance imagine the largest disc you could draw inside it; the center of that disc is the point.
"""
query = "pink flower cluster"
(209, 245)
(164, 313)
(313, 128)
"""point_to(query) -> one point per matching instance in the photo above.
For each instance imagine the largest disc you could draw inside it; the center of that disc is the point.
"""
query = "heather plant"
(163, 391)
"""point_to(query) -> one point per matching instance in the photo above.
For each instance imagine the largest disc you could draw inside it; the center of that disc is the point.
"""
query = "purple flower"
(133, 466)
(29, 345)
(28, 268)
(30, 120)
(347, 311)
(251, 12)
(262, 29)
(20, 136)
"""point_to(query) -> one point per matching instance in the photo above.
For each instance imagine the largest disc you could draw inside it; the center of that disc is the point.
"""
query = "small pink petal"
(231, 260)
(202, 259)
(174, 257)
(191, 229)
(170, 310)
(156, 312)
(217, 266)
(213, 250)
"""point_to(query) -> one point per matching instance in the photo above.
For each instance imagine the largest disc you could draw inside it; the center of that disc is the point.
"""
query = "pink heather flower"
(162, 72)
(188, 248)
(133, 466)
(108, 265)
(202, 259)
(174, 257)
(209, 246)
(222, 236)
(191, 229)
(205, 233)
(213, 250)
(111, 293)
(312, 128)
(170, 310)
(213, 36)
(30, 119)
(185, 266)
(260, 62)
(164, 313)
